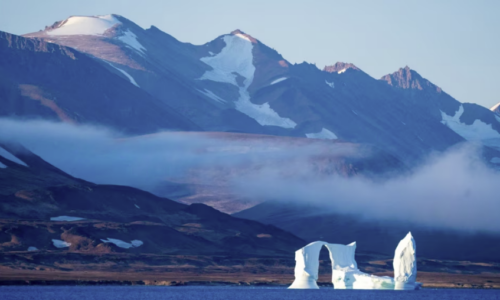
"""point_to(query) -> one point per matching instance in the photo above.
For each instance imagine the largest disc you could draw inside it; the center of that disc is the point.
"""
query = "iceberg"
(345, 272)
(306, 266)
(405, 264)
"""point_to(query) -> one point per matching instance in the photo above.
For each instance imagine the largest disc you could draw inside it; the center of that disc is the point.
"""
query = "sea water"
(228, 293)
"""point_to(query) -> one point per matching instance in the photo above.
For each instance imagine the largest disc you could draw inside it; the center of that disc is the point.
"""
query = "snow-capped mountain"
(50, 81)
(236, 83)
(471, 121)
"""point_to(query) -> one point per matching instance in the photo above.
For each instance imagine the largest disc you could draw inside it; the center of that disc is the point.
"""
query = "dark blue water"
(227, 293)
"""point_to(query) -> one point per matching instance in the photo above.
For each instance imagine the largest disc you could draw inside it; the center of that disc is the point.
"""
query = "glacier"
(345, 272)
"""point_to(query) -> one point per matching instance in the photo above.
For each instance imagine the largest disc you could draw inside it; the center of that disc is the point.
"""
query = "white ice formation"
(80, 25)
(345, 272)
(130, 39)
(66, 218)
(494, 108)
(475, 132)
(60, 244)
(212, 96)
(306, 266)
(279, 80)
(330, 84)
(129, 77)
(405, 264)
(122, 244)
(323, 134)
(97, 26)
(236, 58)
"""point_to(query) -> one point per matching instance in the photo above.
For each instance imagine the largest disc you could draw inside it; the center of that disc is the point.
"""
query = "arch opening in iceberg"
(345, 272)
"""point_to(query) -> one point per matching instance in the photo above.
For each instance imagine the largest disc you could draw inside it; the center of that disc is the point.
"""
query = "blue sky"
(453, 43)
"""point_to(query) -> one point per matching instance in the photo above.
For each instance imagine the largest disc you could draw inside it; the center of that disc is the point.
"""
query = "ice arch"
(306, 266)
(345, 272)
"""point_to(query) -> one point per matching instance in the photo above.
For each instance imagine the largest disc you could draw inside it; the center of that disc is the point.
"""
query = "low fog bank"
(454, 190)
(104, 156)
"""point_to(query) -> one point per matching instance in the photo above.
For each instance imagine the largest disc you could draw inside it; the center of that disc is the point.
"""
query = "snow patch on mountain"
(279, 80)
(137, 206)
(342, 71)
(60, 244)
(330, 84)
(129, 77)
(474, 132)
(236, 58)
(242, 36)
(31, 248)
(122, 244)
(80, 25)
(2, 166)
(137, 243)
(323, 134)
(130, 39)
(212, 96)
(66, 218)
(496, 108)
(7, 155)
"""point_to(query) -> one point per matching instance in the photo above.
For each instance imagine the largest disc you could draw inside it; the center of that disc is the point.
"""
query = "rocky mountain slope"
(236, 83)
(44, 209)
(39, 79)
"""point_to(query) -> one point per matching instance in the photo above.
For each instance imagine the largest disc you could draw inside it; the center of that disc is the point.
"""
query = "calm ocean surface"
(202, 293)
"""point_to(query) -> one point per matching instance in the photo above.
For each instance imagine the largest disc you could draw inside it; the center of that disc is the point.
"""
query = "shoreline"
(447, 281)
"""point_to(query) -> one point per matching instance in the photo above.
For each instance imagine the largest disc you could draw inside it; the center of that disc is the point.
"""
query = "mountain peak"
(340, 67)
(243, 35)
(83, 25)
(406, 78)
(102, 25)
